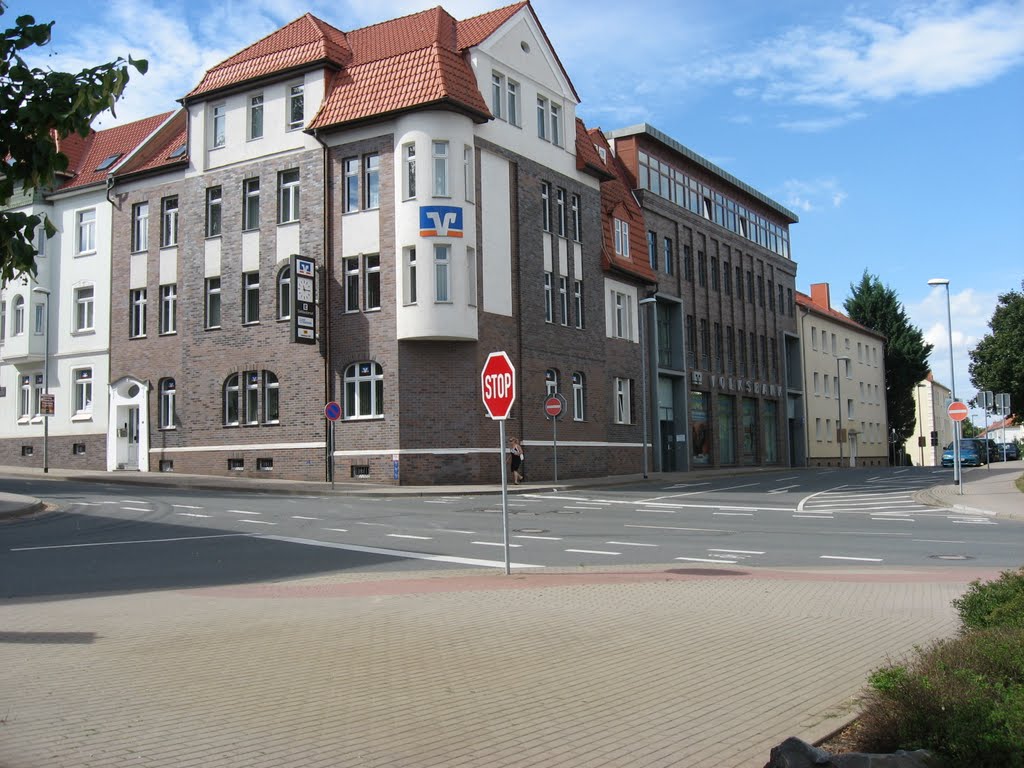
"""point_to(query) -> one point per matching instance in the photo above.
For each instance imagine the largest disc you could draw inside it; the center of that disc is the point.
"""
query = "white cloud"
(814, 194)
(944, 47)
(819, 124)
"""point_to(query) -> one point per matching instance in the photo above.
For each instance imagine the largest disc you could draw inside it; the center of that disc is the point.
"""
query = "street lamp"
(643, 373)
(839, 397)
(46, 377)
(952, 382)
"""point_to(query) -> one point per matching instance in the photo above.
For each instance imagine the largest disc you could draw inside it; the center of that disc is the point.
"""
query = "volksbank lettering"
(730, 384)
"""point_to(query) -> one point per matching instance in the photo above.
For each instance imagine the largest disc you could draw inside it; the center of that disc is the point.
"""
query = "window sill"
(364, 418)
(36, 420)
(284, 319)
(274, 423)
(251, 322)
(251, 229)
(24, 420)
(212, 328)
(371, 309)
(167, 429)
(169, 333)
(84, 332)
(85, 253)
(292, 222)
(134, 338)
(214, 237)
(82, 417)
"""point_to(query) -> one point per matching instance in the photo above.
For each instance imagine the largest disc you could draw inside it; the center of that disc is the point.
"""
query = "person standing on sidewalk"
(516, 457)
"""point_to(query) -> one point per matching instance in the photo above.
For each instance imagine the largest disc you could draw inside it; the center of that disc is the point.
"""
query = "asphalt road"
(108, 537)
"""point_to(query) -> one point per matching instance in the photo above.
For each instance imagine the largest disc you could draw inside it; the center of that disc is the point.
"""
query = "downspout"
(806, 392)
(328, 274)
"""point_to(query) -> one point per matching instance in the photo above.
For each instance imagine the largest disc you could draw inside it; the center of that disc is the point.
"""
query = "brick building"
(725, 383)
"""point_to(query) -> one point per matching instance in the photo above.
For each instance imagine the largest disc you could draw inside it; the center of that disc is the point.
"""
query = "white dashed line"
(629, 544)
(857, 559)
(339, 530)
(303, 517)
(677, 528)
(191, 514)
(592, 552)
(184, 506)
(408, 536)
(394, 552)
(735, 514)
(738, 551)
(705, 560)
(243, 512)
(494, 544)
(939, 541)
(816, 517)
(538, 538)
(456, 530)
(140, 509)
(257, 522)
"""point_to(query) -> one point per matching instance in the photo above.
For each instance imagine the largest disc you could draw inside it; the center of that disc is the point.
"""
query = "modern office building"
(725, 383)
(55, 327)
(844, 378)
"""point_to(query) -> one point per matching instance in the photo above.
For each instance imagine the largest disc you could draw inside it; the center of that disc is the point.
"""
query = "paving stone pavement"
(580, 669)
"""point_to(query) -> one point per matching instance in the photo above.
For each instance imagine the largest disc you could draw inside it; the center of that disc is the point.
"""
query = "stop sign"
(957, 411)
(498, 383)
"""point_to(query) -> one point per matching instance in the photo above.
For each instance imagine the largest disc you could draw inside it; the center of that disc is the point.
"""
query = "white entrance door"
(132, 429)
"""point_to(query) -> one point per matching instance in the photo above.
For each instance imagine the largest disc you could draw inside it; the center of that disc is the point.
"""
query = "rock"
(794, 753)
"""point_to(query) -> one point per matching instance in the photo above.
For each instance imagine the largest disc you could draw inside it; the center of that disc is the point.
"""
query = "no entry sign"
(957, 411)
(553, 406)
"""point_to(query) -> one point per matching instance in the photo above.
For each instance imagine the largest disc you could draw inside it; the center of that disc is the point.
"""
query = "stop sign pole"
(498, 388)
(957, 411)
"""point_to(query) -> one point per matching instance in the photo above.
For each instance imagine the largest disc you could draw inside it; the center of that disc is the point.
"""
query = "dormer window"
(296, 107)
(622, 238)
(108, 161)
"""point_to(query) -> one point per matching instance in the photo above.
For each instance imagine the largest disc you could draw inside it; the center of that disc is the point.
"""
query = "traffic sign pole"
(504, 496)
(498, 390)
(957, 411)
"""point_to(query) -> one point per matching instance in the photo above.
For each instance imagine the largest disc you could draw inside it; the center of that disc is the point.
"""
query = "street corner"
(14, 506)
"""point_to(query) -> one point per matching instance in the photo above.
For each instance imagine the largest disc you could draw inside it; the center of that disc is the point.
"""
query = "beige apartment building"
(934, 428)
(844, 384)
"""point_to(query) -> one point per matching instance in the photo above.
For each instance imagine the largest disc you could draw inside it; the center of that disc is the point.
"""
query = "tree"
(906, 354)
(969, 429)
(997, 362)
(37, 105)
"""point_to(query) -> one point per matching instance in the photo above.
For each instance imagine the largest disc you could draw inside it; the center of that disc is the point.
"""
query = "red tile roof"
(157, 152)
(587, 159)
(617, 202)
(305, 41)
(101, 145)
(805, 301)
(475, 30)
(418, 78)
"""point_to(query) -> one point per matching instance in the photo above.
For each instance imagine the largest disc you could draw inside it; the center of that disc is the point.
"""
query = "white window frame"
(214, 211)
(288, 196)
(549, 300)
(622, 401)
(364, 391)
(212, 296)
(409, 175)
(545, 201)
(578, 396)
(560, 211)
(82, 402)
(284, 293)
(25, 398)
(469, 172)
(371, 282)
(296, 98)
(140, 226)
(563, 299)
(542, 118)
(137, 300)
(39, 321)
(168, 309)
(409, 288)
(555, 114)
(254, 125)
(251, 397)
(271, 397)
(498, 95)
(85, 316)
(574, 208)
(232, 397)
(168, 393)
(622, 238)
(251, 203)
(350, 174)
(350, 270)
(513, 91)
(169, 221)
(18, 308)
(371, 182)
(250, 298)
(86, 231)
(577, 295)
(439, 152)
(218, 125)
(442, 273)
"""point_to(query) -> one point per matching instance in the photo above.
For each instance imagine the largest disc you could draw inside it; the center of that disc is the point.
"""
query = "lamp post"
(839, 397)
(920, 425)
(952, 383)
(643, 372)
(46, 376)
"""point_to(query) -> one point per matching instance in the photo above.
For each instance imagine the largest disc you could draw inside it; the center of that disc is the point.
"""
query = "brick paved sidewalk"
(650, 667)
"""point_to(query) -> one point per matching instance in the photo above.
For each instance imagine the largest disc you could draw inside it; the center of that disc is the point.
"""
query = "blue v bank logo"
(440, 221)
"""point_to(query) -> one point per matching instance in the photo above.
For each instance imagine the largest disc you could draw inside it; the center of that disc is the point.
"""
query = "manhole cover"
(950, 557)
(530, 530)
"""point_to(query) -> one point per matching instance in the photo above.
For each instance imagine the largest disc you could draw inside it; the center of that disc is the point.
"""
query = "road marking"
(739, 551)
(137, 509)
(706, 490)
(191, 514)
(677, 528)
(816, 517)
(243, 512)
(866, 533)
(706, 560)
(858, 559)
(783, 479)
(133, 501)
(974, 522)
(185, 506)
(629, 544)
(579, 507)
(939, 541)
(379, 525)
(592, 552)
(435, 501)
(683, 485)
(456, 530)
(493, 544)
(394, 552)
(735, 514)
(303, 517)
(539, 538)
(898, 519)
(408, 536)
(784, 489)
(255, 522)
(134, 541)
(339, 530)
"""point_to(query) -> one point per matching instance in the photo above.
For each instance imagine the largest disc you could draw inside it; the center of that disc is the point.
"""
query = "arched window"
(578, 382)
(284, 293)
(550, 381)
(232, 400)
(364, 391)
(168, 395)
(19, 315)
(271, 398)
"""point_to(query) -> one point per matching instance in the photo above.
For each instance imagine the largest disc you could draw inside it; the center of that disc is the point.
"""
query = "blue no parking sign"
(332, 411)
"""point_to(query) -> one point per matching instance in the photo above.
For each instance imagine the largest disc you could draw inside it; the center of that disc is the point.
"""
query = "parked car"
(1012, 451)
(993, 449)
(972, 454)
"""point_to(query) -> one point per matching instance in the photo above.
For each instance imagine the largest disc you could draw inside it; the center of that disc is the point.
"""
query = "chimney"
(819, 295)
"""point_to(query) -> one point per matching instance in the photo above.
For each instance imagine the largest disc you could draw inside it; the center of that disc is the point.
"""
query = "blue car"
(970, 454)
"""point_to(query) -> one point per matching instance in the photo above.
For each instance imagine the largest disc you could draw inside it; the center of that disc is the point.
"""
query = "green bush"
(998, 603)
(961, 698)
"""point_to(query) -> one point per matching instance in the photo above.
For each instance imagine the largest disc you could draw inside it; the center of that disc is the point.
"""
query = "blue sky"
(893, 129)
